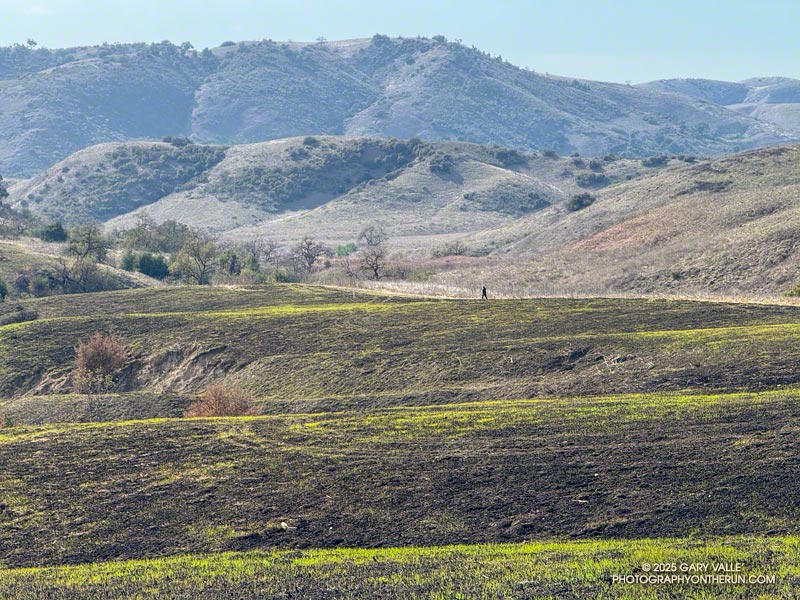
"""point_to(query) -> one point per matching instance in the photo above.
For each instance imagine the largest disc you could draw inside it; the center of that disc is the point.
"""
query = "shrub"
(345, 249)
(655, 161)
(311, 141)
(580, 201)
(441, 163)
(97, 362)
(550, 153)
(454, 248)
(592, 180)
(129, 262)
(510, 158)
(220, 401)
(153, 265)
(595, 165)
(3, 290)
(54, 232)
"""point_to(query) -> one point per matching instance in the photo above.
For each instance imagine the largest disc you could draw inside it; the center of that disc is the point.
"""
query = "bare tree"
(306, 254)
(260, 250)
(372, 240)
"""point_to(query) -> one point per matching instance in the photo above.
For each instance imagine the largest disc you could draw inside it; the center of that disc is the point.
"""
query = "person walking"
(483, 294)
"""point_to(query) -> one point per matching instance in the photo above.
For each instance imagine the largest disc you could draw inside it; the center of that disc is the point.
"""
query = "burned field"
(395, 422)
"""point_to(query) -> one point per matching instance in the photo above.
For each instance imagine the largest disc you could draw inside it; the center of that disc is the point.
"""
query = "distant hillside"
(55, 102)
(770, 99)
(328, 187)
(725, 226)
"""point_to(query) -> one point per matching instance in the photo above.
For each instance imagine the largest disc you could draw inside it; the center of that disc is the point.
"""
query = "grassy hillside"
(59, 101)
(33, 255)
(397, 421)
(770, 99)
(334, 349)
(328, 187)
(723, 226)
(618, 466)
(726, 226)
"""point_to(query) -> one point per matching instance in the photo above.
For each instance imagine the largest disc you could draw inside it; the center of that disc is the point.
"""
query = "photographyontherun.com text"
(701, 573)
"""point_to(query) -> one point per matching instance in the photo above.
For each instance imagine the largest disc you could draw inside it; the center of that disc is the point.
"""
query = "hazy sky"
(613, 40)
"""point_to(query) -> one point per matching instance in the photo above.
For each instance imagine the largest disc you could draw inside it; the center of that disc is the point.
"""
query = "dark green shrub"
(592, 180)
(655, 161)
(596, 165)
(129, 262)
(54, 232)
(153, 265)
(441, 163)
(580, 201)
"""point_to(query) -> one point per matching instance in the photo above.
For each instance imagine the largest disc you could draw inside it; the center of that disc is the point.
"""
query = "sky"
(609, 40)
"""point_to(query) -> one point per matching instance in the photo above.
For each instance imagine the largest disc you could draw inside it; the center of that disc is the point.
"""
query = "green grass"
(646, 465)
(307, 349)
(542, 570)
(406, 443)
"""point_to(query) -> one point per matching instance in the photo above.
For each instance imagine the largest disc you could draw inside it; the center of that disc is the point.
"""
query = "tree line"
(173, 252)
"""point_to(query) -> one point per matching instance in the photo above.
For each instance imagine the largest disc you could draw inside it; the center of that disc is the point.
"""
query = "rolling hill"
(725, 225)
(328, 187)
(728, 226)
(56, 102)
(771, 99)
(395, 421)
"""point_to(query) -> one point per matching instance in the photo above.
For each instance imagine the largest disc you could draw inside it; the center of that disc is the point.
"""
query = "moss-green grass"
(304, 349)
(649, 465)
(542, 570)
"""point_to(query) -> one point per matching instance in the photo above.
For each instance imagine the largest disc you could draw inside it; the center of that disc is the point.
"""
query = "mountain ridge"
(55, 102)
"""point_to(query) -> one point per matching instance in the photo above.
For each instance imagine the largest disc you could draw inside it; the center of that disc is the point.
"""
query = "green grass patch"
(674, 465)
(548, 569)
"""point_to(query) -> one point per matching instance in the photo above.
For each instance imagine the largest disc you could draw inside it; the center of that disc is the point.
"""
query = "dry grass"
(97, 361)
(218, 400)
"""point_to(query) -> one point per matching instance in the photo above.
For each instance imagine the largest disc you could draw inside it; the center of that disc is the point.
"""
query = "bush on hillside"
(655, 161)
(592, 180)
(153, 265)
(54, 232)
(580, 201)
(3, 290)
(97, 361)
(220, 401)
(596, 165)
(441, 163)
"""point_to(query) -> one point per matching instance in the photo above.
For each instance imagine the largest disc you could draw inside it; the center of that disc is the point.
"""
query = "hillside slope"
(396, 421)
(325, 186)
(725, 226)
(770, 99)
(55, 102)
